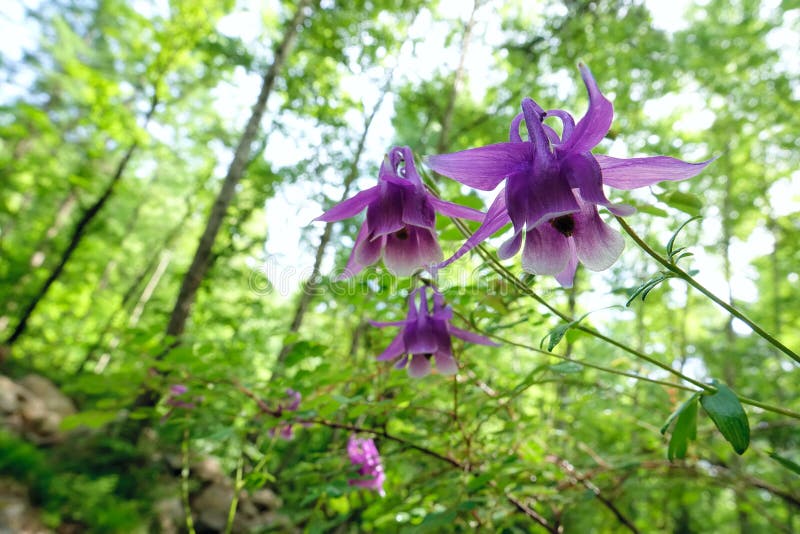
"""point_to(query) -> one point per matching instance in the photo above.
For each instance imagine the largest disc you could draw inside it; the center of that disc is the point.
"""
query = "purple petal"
(546, 251)
(419, 337)
(568, 123)
(641, 172)
(538, 197)
(445, 363)
(511, 246)
(365, 252)
(542, 152)
(472, 337)
(405, 253)
(417, 209)
(598, 245)
(513, 131)
(410, 167)
(178, 389)
(395, 349)
(481, 234)
(354, 266)
(552, 135)
(386, 214)
(384, 324)
(567, 277)
(455, 210)
(350, 207)
(484, 167)
(591, 129)
(419, 367)
(583, 173)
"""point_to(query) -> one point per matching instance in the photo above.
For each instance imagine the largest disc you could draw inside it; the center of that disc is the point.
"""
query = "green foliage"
(728, 415)
(72, 492)
(516, 428)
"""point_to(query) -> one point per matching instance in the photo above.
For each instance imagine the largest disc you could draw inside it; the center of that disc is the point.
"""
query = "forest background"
(161, 162)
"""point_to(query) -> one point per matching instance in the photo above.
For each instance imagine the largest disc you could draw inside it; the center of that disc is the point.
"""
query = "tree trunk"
(197, 271)
(203, 254)
(311, 284)
(77, 236)
(458, 75)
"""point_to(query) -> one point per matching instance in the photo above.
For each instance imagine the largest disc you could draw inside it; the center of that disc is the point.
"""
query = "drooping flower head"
(426, 334)
(364, 454)
(553, 185)
(401, 219)
(286, 430)
(178, 399)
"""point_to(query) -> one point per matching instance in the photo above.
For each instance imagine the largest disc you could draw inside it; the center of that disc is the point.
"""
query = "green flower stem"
(680, 273)
(743, 400)
(584, 363)
(187, 508)
(501, 269)
(237, 487)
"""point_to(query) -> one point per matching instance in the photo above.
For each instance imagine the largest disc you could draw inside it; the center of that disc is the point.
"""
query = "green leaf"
(685, 202)
(567, 368)
(671, 243)
(439, 519)
(685, 430)
(677, 412)
(791, 465)
(479, 482)
(651, 210)
(727, 413)
(556, 334)
(90, 418)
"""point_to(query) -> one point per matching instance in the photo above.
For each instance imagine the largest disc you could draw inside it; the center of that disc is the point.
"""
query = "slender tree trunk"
(202, 257)
(310, 285)
(458, 75)
(150, 288)
(204, 253)
(60, 219)
(78, 233)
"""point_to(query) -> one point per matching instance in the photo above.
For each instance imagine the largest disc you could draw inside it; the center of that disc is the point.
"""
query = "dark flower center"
(564, 224)
(402, 234)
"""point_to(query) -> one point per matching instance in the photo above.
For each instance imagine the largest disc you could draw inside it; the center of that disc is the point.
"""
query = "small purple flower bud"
(178, 389)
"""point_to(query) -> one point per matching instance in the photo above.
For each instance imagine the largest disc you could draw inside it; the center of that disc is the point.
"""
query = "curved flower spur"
(401, 219)
(426, 334)
(553, 186)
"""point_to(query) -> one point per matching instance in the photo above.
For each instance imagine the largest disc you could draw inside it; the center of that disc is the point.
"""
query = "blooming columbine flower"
(364, 455)
(554, 185)
(425, 335)
(401, 219)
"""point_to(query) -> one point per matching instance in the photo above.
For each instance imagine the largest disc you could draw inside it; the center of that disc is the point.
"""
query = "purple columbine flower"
(401, 219)
(425, 335)
(364, 454)
(553, 185)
